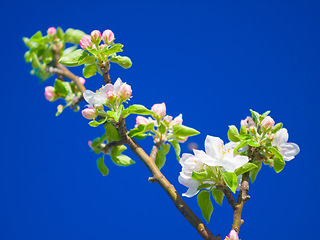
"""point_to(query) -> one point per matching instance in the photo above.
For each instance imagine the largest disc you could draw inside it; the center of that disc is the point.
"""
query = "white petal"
(289, 151)
(184, 157)
(213, 146)
(281, 137)
(231, 145)
(191, 192)
(230, 164)
(108, 87)
(117, 85)
(90, 97)
(188, 182)
(205, 158)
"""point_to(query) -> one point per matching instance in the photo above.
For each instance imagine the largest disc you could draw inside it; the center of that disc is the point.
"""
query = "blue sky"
(212, 61)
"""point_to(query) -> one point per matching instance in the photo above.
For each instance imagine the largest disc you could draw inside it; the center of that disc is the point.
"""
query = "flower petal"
(230, 164)
(91, 97)
(188, 182)
(289, 151)
(281, 137)
(213, 146)
(205, 158)
(117, 85)
(191, 192)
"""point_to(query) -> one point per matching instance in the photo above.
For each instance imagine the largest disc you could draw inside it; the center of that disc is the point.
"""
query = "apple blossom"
(82, 80)
(51, 31)
(177, 120)
(141, 120)
(189, 164)
(159, 110)
(95, 36)
(287, 150)
(85, 42)
(125, 91)
(89, 113)
(49, 93)
(268, 122)
(218, 154)
(246, 121)
(107, 36)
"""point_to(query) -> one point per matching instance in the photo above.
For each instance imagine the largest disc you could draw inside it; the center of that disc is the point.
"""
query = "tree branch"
(229, 197)
(104, 68)
(166, 185)
(155, 150)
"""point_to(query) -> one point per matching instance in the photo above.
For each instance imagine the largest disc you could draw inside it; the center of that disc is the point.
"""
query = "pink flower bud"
(49, 93)
(268, 122)
(85, 42)
(51, 31)
(82, 80)
(89, 113)
(95, 36)
(183, 139)
(271, 137)
(177, 120)
(107, 36)
(233, 235)
(141, 120)
(245, 122)
(167, 119)
(125, 91)
(111, 96)
(159, 110)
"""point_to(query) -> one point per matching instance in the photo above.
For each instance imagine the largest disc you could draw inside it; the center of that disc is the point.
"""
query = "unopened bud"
(233, 235)
(141, 120)
(49, 93)
(245, 122)
(177, 120)
(268, 122)
(95, 36)
(90, 144)
(271, 137)
(125, 91)
(82, 80)
(85, 42)
(107, 36)
(52, 31)
(252, 130)
(159, 110)
(89, 113)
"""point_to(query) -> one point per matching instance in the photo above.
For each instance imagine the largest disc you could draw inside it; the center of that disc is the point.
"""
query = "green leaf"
(175, 144)
(102, 167)
(73, 35)
(255, 116)
(122, 160)
(275, 152)
(246, 137)
(117, 150)
(113, 49)
(278, 164)
(35, 61)
(254, 172)
(69, 50)
(76, 58)
(199, 175)
(160, 159)
(240, 145)
(60, 88)
(218, 196)
(205, 204)
(94, 123)
(114, 115)
(253, 144)
(136, 109)
(162, 128)
(266, 114)
(230, 179)
(36, 37)
(245, 168)
(89, 70)
(112, 132)
(277, 127)
(165, 148)
(243, 130)
(60, 33)
(124, 62)
(184, 131)
(233, 134)
(204, 186)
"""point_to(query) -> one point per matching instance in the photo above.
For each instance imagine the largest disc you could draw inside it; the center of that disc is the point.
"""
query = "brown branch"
(155, 150)
(166, 185)
(229, 197)
(110, 145)
(104, 68)
(242, 198)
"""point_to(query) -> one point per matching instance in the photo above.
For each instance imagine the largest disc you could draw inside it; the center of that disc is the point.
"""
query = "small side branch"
(229, 197)
(110, 145)
(155, 150)
(104, 68)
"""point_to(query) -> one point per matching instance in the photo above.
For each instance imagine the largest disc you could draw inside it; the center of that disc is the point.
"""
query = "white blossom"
(287, 150)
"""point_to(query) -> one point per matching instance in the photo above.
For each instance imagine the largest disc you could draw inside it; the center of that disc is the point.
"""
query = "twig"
(104, 68)
(166, 185)
(110, 145)
(155, 149)
(229, 197)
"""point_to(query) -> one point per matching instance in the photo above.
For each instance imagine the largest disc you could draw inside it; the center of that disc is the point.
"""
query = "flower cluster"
(110, 95)
(217, 159)
(161, 119)
(93, 41)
